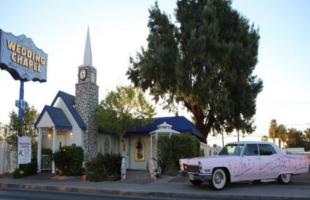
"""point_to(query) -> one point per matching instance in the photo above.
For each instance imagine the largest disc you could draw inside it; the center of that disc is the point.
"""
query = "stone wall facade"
(86, 101)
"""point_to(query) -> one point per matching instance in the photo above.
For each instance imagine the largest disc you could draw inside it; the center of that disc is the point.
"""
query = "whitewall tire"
(218, 180)
(285, 178)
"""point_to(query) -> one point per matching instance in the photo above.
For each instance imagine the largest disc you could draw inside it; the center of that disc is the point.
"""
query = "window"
(265, 150)
(232, 149)
(139, 150)
(251, 150)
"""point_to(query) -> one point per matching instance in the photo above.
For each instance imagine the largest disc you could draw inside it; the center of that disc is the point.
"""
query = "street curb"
(143, 193)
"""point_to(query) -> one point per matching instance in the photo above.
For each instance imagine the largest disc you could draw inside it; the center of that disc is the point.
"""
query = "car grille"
(193, 168)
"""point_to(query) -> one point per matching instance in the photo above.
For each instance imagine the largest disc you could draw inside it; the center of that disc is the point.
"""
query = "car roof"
(278, 150)
(250, 142)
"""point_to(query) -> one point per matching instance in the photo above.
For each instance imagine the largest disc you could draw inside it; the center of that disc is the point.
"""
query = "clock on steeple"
(86, 101)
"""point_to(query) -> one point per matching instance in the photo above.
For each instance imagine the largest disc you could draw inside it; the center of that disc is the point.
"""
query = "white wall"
(7, 159)
(113, 143)
(45, 121)
(77, 137)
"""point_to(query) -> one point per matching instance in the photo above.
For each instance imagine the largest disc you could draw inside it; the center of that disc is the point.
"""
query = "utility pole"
(238, 135)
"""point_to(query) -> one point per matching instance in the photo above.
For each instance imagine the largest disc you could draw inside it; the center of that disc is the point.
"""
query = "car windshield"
(232, 150)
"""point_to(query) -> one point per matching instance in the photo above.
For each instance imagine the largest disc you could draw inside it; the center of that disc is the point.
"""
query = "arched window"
(106, 146)
(139, 150)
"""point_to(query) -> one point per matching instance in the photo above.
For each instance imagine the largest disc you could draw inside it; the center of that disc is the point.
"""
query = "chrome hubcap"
(286, 177)
(218, 178)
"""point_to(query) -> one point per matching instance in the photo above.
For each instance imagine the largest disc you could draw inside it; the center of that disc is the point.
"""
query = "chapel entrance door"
(125, 150)
(61, 141)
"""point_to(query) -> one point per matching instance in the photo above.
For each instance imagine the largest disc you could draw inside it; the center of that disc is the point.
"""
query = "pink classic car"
(244, 161)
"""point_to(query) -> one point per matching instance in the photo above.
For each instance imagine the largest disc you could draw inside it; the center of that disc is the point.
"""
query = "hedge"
(171, 149)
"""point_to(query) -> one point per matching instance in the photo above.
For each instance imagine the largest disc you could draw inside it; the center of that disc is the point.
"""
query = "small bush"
(25, 170)
(61, 159)
(16, 174)
(47, 151)
(70, 160)
(113, 164)
(96, 170)
(104, 167)
(29, 169)
(75, 160)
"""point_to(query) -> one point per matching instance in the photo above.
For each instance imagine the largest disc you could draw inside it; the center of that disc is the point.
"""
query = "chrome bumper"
(183, 173)
(205, 177)
(199, 177)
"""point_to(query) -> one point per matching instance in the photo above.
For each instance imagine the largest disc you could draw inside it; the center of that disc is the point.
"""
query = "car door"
(267, 161)
(250, 162)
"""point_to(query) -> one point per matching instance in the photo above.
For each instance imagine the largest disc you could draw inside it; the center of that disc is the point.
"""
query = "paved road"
(14, 194)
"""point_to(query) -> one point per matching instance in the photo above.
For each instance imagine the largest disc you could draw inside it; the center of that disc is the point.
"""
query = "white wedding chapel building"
(68, 120)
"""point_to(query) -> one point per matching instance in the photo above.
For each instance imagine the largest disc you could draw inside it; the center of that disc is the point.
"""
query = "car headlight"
(200, 167)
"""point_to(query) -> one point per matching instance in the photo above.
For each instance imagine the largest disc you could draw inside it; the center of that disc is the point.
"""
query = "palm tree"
(281, 134)
(273, 130)
(265, 138)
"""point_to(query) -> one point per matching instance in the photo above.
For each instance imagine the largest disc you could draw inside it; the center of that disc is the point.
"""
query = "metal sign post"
(21, 104)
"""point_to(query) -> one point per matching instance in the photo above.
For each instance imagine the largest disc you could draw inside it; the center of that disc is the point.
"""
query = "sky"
(118, 29)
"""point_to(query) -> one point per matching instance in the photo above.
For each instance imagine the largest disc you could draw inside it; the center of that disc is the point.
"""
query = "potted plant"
(60, 160)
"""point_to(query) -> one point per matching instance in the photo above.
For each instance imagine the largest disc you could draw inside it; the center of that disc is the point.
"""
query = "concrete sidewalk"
(174, 187)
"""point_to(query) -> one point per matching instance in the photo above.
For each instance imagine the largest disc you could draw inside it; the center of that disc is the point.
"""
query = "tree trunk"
(279, 143)
(203, 123)
(274, 140)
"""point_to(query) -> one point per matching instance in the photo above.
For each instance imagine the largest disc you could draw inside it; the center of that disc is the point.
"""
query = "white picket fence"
(7, 159)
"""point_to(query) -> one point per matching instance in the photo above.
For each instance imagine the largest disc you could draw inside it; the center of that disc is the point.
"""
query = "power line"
(306, 124)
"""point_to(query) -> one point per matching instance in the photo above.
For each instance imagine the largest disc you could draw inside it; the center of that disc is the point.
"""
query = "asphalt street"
(14, 194)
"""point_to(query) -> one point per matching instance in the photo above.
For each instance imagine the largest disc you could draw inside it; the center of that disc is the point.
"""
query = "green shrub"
(75, 160)
(170, 150)
(113, 164)
(96, 170)
(47, 151)
(29, 169)
(61, 159)
(70, 160)
(16, 174)
(172, 169)
(104, 167)
(25, 170)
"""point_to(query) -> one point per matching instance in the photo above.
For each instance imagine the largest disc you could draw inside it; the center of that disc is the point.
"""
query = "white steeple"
(87, 53)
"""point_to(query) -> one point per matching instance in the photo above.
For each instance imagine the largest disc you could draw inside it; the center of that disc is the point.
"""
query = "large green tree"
(27, 128)
(204, 61)
(295, 138)
(122, 110)
(307, 139)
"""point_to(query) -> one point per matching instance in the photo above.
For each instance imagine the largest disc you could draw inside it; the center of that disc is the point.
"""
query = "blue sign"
(21, 58)
(21, 104)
